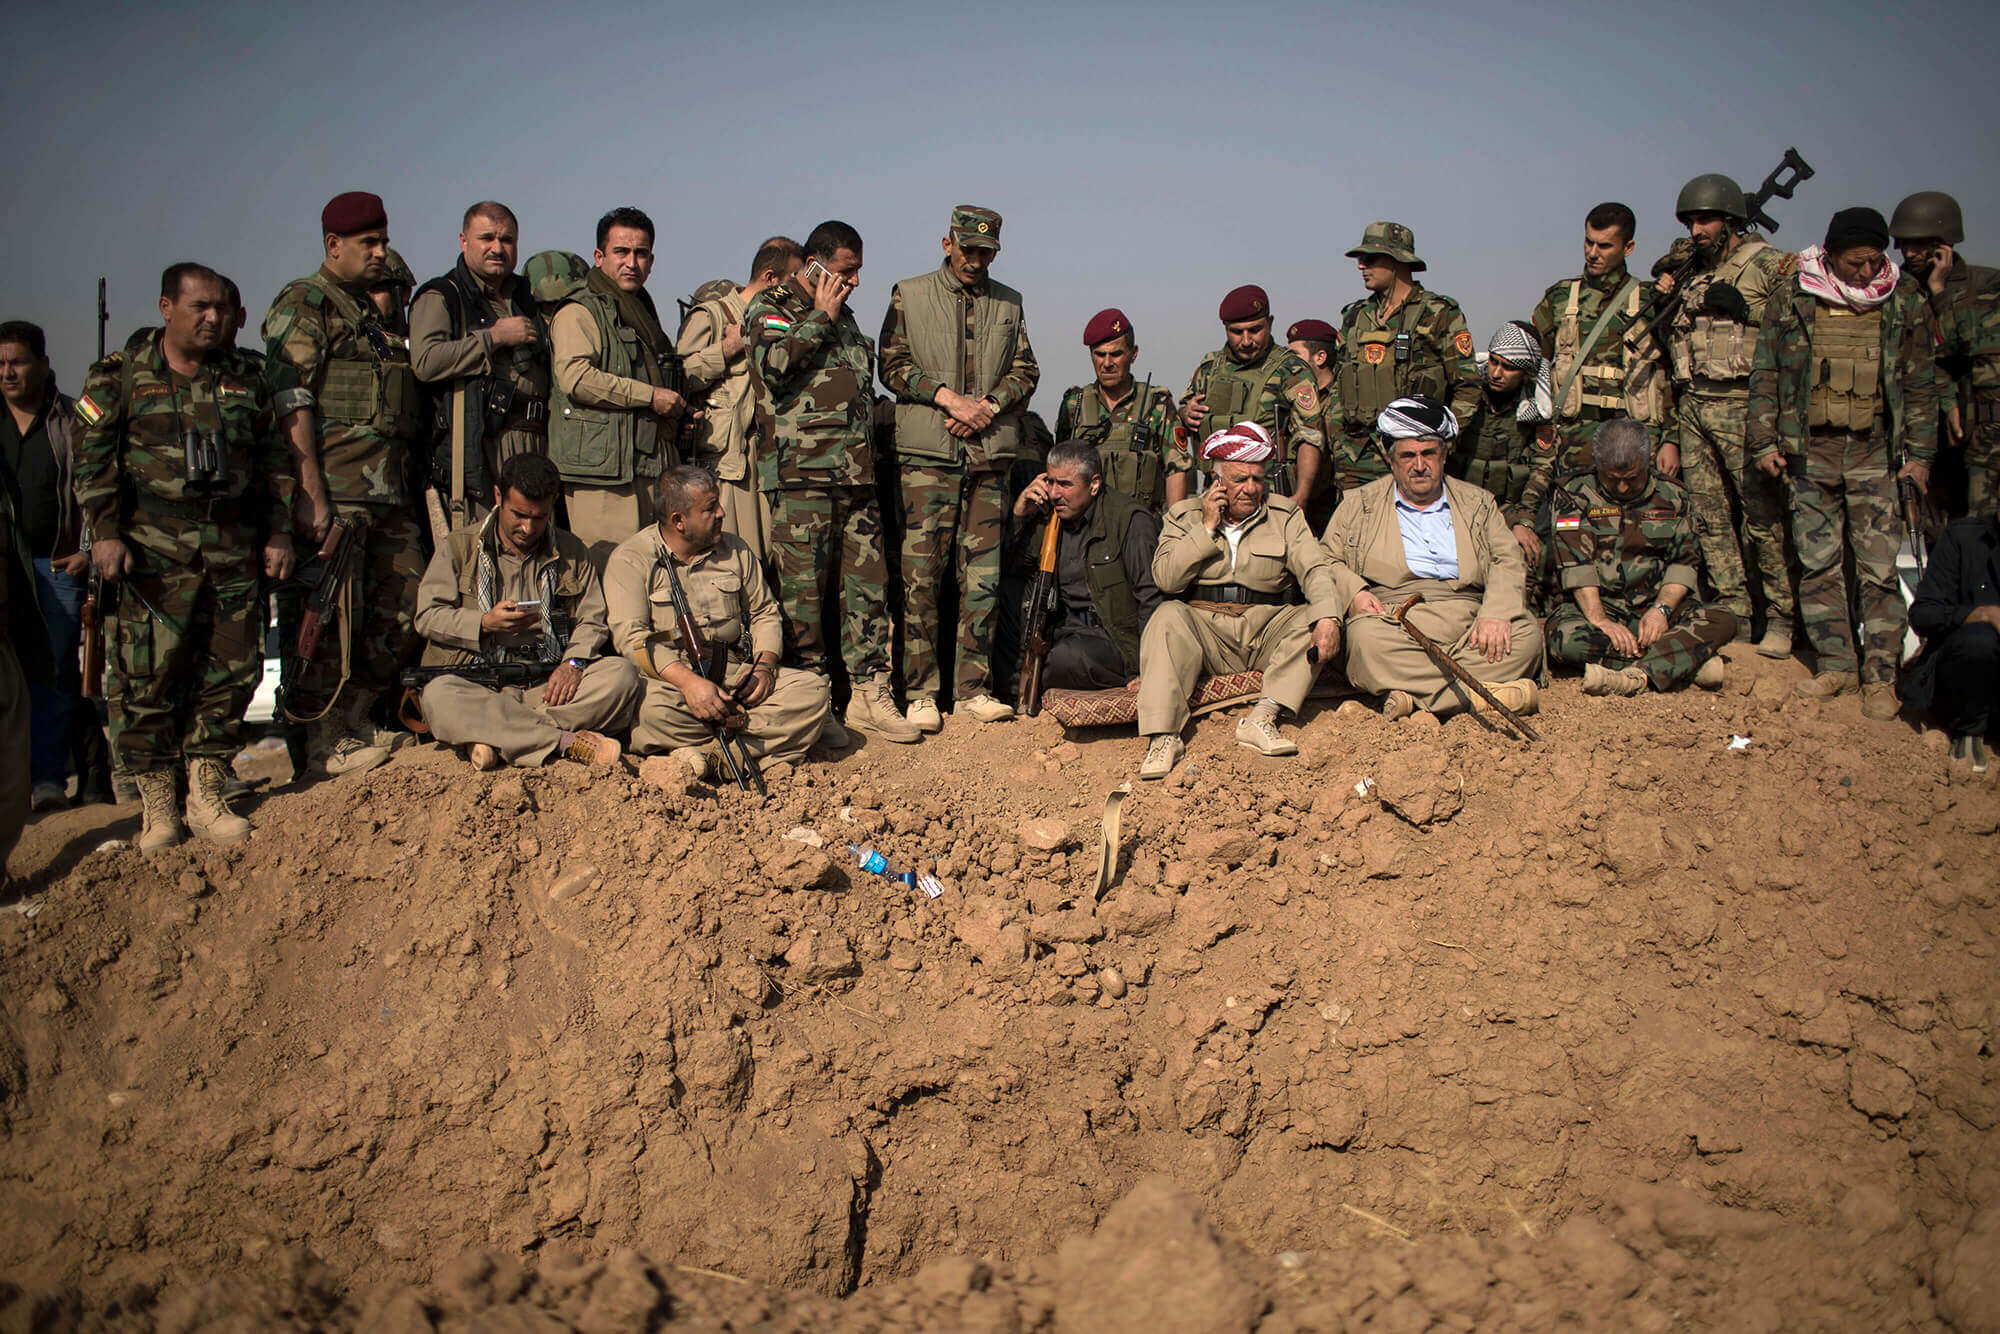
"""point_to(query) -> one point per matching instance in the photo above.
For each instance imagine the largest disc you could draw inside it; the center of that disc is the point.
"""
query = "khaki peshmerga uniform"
(471, 574)
(731, 604)
(1244, 598)
(1365, 544)
(727, 392)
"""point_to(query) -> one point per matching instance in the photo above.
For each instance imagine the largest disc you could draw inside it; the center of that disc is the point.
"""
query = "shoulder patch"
(1788, 263)
(1463, 342)
(773, 322)
(1568, 521)
(1305, 396)
(87, 408)
(1605, 511)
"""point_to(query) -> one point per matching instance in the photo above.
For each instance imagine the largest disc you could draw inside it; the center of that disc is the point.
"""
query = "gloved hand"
(1726, 303)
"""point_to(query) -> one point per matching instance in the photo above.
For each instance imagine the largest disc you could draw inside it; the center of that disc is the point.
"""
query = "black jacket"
(1964, 573)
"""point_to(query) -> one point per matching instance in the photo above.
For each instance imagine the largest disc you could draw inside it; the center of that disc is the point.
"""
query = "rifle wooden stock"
(336, 559)
(99, 605)
(1450, 666)
(710, 663)
(1035, 632)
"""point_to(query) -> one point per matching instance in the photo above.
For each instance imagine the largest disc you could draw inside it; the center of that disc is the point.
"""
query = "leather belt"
(1238, 594)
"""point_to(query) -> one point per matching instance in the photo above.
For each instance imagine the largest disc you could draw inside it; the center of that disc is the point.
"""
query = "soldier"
(1105, 594)
(1251, 378)
(1317, 344)
(514, 588)
(816, 471)
(183, 478)
(1597, 370)
(1957, 610)
(343, 390)
(1713, 336)
(955, 353)
(479, 339)
(1965, 298)
(1410, 532)
(1625, 552)
(612, 418)
(714, 352)
(390, 295)
(1246, 589)
(1135, 441)
(1841, 391)
(779, 709)
(1509, 445)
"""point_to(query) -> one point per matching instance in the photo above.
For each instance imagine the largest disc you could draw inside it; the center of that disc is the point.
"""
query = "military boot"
(1601, 680)
(1710, 675)
(1260, 731)
(873, 709)
(1825, 685)
(161, 827)
(923, 714)
(1397, 705)
(986, 709)
(1878, 701)
(1520, 696)
(1777, 641)
(208, 813)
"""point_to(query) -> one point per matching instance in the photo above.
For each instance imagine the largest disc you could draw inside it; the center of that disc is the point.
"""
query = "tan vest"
(1626, 383)
(1712, 349)
(936, 322)
(1846, 369)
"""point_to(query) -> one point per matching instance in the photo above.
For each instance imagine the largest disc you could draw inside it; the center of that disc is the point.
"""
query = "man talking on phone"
(516, 589)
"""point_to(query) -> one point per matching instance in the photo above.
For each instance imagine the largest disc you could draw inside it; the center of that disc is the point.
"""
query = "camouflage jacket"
(1084, 415)
(132, 458)
(1781, 378)
(1289, 388)
(1500, 452)
(1622, 376)
(1968, 347)
(1628, 550)
(816, 398)
(1423, 347)
(326, 351)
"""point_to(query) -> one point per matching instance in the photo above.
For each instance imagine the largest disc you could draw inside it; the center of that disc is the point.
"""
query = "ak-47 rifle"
(335, 561)
(711, 663)
(492, 675)
(1783, 180)
(103, 318)
(1040, 605)
(100, 608)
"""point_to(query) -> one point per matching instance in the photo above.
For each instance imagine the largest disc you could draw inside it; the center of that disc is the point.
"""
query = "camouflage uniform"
(1421, 347)
(815, 464)
(1084, 415)
(1621, 377)
(190, 625)
(327, 353)
(1711, 367)
(1498, 451)
(1278, 391)
(954, 509)
(1629, 551)
(1968, 316)
(1843, 475)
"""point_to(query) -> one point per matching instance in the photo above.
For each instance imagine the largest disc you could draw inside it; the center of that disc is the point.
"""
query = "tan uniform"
(438, 357)
(731, 604)
(600, 516)
(730, 401)
(1365, 544)
(514, 721)
(1194, 632)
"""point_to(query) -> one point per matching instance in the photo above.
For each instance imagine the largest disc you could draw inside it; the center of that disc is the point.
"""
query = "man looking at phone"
(816, 466)
(514, 588)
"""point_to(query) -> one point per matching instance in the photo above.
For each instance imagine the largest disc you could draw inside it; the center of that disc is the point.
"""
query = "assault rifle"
(103, 318)
(711, 663)
(336, 563)
(1035, 628)
(1911, 501)
(100, 608)
(1783, 180)
(492, 675)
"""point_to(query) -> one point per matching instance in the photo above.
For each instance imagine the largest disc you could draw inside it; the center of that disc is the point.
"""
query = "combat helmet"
(1711, 192)
(555, 275)
(396, 273)
(1928, 214)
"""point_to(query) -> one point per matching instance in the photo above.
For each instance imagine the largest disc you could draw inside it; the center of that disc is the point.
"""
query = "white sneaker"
(1260, 731)
(1162, 755)
(923, 715)
(986, 709)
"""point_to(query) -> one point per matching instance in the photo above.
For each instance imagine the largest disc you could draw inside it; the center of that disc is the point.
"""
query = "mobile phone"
(531, 605)
(812, 275)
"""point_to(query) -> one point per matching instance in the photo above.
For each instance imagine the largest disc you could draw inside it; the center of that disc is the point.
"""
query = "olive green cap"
(975, 227)
(1927, 214)
(555, 275)
(1392, 239)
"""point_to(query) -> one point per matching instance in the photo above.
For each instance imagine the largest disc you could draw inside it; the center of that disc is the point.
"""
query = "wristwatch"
(573, 662)
(1664, 610)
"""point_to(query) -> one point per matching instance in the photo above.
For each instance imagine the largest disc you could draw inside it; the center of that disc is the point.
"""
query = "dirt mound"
(1421, 1029)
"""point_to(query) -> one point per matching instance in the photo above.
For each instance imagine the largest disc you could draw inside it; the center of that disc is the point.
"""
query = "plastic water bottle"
(869, 860)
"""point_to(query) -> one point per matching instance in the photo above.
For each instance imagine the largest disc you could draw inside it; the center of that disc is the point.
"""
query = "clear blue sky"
(1145, 156)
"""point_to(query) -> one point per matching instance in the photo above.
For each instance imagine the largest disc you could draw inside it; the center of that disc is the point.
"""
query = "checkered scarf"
(1518, 345)
(1414, 418)
(550, 648)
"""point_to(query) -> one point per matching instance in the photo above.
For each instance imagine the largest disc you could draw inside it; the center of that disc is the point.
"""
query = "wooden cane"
(1444, 660)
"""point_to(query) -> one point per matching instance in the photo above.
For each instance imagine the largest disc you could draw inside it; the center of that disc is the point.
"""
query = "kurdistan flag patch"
(89, 411)
(776, 323)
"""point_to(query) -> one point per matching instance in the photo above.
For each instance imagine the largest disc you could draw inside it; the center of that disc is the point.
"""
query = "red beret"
(1245, 303)
(1106, 324)
(1314, 331)
(355, 211)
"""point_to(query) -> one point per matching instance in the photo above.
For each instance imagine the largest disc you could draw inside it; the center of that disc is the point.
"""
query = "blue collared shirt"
(1430, 547)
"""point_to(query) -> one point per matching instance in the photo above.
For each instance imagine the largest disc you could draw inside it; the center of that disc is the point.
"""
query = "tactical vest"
(1111, 595)
(1846, 370)
(1708, 348)
(935, 321)
(1136, 472)
(1603, 385)
(375, 388)
(593, 443)
(1494, 452)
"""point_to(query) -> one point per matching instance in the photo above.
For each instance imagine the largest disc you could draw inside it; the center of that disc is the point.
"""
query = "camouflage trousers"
(1694, 635)
(1355, 461)
(1982, 467)
(384, 639)
(190, 649)
(1720, 481)
(953, 518)
(826, 549)
(1844, 501)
